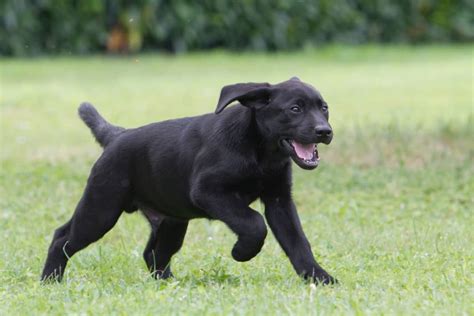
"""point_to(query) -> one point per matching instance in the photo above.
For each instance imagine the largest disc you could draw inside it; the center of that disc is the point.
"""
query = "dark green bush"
(31, 27)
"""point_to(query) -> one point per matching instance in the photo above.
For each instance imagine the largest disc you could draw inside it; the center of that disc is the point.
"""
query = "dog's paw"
(167, 274)
(49, 278)
(322, 278)
(241, 255)
(244, 252)
(162, 274)
(249, 245)
(52, 275)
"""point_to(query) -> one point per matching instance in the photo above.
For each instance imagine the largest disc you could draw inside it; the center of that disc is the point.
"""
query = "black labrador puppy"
(210, 166)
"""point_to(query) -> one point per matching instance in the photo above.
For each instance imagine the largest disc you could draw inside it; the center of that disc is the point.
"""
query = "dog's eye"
(295, 109)
(324, 108)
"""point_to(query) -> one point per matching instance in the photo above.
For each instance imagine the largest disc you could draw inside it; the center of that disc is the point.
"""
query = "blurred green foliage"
(32, 27)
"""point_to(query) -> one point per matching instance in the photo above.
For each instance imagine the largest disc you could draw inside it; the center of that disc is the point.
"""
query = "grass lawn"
(389, 211)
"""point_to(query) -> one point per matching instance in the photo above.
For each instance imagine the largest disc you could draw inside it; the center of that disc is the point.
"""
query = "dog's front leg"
(283, 220)
(248, 224)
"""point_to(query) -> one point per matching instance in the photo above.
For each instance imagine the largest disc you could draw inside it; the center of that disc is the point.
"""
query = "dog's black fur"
(210, 166)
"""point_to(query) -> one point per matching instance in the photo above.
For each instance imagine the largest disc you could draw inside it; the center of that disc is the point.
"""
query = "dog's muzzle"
(305, 156)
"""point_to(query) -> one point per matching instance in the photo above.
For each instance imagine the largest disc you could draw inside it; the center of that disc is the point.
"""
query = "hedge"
(32, 27)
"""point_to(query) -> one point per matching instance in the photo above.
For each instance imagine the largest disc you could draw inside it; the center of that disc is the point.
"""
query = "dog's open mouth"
(304, 155)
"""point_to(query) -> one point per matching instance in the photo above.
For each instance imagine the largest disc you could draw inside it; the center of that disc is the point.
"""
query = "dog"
(210, 166)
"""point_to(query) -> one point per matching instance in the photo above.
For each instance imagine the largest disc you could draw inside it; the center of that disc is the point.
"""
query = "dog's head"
(293, 114)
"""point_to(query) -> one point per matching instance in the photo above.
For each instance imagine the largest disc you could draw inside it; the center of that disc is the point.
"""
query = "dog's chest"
(249, 189)
(253, 182)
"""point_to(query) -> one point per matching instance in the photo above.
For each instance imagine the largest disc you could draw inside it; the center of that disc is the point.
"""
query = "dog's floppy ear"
(249, 94)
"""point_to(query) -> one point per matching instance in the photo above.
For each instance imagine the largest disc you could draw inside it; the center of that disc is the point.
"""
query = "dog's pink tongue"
(304, 151)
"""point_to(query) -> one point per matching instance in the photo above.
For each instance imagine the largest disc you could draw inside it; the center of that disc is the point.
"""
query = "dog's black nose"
(323, 131)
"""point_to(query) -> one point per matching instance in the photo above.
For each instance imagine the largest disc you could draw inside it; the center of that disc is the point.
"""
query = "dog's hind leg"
(166, 238)
(96, 213)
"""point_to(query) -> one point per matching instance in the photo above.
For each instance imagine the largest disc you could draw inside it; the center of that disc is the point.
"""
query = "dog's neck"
(245, 128)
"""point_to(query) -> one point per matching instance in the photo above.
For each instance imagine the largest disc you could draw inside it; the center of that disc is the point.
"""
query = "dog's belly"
(168, 200)
(157, 210)
(167, 195)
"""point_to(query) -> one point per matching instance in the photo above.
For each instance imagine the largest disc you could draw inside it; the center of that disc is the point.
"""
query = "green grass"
(389, 212)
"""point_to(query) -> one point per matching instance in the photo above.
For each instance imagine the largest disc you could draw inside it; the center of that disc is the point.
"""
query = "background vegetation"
(388, 211)
(32, 27)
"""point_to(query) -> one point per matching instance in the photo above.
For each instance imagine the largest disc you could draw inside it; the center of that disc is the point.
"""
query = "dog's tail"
(103, 131)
